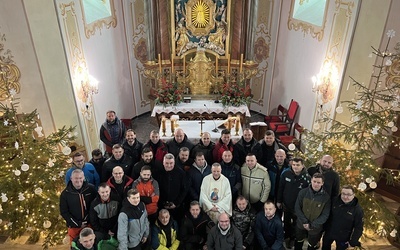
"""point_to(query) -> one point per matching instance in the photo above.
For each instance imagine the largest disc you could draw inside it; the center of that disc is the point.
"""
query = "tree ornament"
(388, 62)
(390, 124)
(392, 234)
(375, 130)
(395, 104)
(362, 186)
(1, 221)
(38, 131)
(355, 118)
(50, 163)
(316, 126)
(16, 145)
(394, 129)
(320, 148)
(12, 92)
(291, 147)
(25, 167)
(368, 180)
(359, 104)
(339, 109)
(373, 185)
(21, 197)
(69, 160)
(4, 197)
(5, 122)
(1, 209)
(38, 191)
(17, 172)
(66, 150)
(47, 224)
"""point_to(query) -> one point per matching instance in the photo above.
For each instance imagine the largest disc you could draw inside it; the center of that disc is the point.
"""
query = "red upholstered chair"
(280, 115)
(285, 127)
(295, 138)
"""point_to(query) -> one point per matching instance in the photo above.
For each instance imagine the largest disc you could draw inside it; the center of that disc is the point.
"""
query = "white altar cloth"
(192, 130)
(198, 106)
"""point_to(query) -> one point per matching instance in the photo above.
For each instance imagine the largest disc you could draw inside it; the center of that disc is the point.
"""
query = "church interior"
(74, 60)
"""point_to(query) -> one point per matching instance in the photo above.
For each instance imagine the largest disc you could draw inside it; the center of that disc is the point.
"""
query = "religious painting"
(200, 23)
(309, 16)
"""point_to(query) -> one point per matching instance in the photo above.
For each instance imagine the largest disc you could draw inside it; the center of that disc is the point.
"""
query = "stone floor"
(143, 125)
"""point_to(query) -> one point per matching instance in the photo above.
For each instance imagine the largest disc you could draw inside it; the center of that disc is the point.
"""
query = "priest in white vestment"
(215, 194)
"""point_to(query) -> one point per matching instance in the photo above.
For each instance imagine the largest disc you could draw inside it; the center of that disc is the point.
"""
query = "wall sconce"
(326, 82)
(86, 85)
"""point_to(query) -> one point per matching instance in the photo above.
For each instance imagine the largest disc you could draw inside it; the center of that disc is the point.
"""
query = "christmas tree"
(32, 170)
(367, 133)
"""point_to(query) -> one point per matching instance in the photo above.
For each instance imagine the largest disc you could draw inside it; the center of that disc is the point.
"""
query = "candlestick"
(241, 63)
(172, 126)
(229, 124)
(229, 63)
(237, 125)
(163, 126)
(159, 62)
(172, 63)
(216, 66)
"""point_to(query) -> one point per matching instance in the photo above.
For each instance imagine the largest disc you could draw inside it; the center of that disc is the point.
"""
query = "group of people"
(209, 195)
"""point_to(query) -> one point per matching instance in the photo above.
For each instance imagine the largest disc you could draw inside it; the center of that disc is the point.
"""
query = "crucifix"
(201, 122)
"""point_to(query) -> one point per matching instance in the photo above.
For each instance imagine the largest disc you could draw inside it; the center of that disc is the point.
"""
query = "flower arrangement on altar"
(235, 94)
(169, 94)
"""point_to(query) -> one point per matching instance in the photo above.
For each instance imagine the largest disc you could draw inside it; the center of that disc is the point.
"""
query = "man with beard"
(132, 146)
(195, 225)
(269, 145)
(98, 161)
(149, 160)
(157, 146)
(183, 161)
(133, 226)
(244, 218)
(332, 179)
(112, 131)
(292, 181)
(224, 143)
(118, 158)
(179, 141)
(149, 192)
(119, 184)
(224, 236)
(275, 169)
(103, 213)
(247, 144)
(206, 146)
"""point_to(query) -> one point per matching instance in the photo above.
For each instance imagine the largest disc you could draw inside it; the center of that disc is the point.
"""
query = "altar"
(208, 109)
(192, 130)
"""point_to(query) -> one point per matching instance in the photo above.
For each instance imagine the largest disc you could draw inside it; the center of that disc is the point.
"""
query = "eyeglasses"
(347, 195)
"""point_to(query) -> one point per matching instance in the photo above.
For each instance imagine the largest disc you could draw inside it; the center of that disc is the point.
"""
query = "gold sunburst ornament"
(200, 14)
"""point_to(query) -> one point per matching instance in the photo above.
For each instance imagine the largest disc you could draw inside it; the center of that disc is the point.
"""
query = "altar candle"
(241, 63)
(184, 65)
(237, 125)
(159, 62)
(172, 63)
(163, 125)
(229, 63)
(216, 66)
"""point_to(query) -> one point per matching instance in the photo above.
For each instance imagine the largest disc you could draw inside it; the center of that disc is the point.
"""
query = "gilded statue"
(218, 38)
(181, 38)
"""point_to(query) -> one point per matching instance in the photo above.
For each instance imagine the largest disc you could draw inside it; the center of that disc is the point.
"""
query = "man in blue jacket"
(91, 175)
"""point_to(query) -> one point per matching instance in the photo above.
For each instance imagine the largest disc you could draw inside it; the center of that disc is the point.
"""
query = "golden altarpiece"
(198, 55)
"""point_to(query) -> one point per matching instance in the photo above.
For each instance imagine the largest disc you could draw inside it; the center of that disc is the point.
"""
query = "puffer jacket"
(159, 239)
(255, 183)
(290, 186)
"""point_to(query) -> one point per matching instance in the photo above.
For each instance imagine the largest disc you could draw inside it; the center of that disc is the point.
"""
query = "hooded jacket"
(290, 186)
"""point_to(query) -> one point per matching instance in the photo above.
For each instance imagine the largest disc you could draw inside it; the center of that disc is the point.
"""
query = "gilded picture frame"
(309, 16)
(96, 14)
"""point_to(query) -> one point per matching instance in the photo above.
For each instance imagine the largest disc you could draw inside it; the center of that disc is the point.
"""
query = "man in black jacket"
(332, 180)
(195, 225)
(132, 146)
(345, 225)
(118, 158)
(75, 202)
